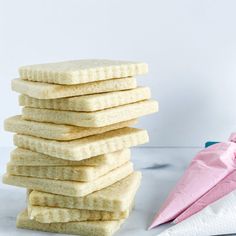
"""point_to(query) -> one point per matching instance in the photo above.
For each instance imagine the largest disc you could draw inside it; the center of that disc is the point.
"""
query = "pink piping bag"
(224, 187)
(208, 168)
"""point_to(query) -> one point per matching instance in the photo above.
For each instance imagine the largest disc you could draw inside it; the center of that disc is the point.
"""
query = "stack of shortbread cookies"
(73, 141)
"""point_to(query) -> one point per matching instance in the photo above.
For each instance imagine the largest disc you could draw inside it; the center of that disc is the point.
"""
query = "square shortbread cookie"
(84, 148)
(70, 188)
(51, 91)
(56, 214)
(116, 197)
(89, 103)
(56, 131)
(84, 228)
(92, 119)
(82, 71)
(24, 157)
(76, 173)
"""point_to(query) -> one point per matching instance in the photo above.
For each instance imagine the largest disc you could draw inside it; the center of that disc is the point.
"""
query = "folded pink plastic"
(208, 168)
(224, 187)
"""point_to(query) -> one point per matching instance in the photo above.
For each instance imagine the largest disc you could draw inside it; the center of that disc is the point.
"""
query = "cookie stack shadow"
(73, 143)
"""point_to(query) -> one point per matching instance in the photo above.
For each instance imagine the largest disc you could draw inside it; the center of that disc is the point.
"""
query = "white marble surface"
(161, 168)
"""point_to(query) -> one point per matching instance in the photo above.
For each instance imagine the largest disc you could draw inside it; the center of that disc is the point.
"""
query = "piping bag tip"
(156, 222)
(151, 226)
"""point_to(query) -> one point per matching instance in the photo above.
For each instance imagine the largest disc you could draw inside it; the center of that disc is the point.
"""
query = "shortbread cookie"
(84, 148)
(56, 131)
(56, 214)
(51, 91)
(92, 119)
(24, 157)
(76, 173)
(84, 228)
(70, 188)
(116, 197)
(92, 102)
(81, 71)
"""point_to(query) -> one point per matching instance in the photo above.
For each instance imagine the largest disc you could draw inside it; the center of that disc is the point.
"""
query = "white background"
(190, 47)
